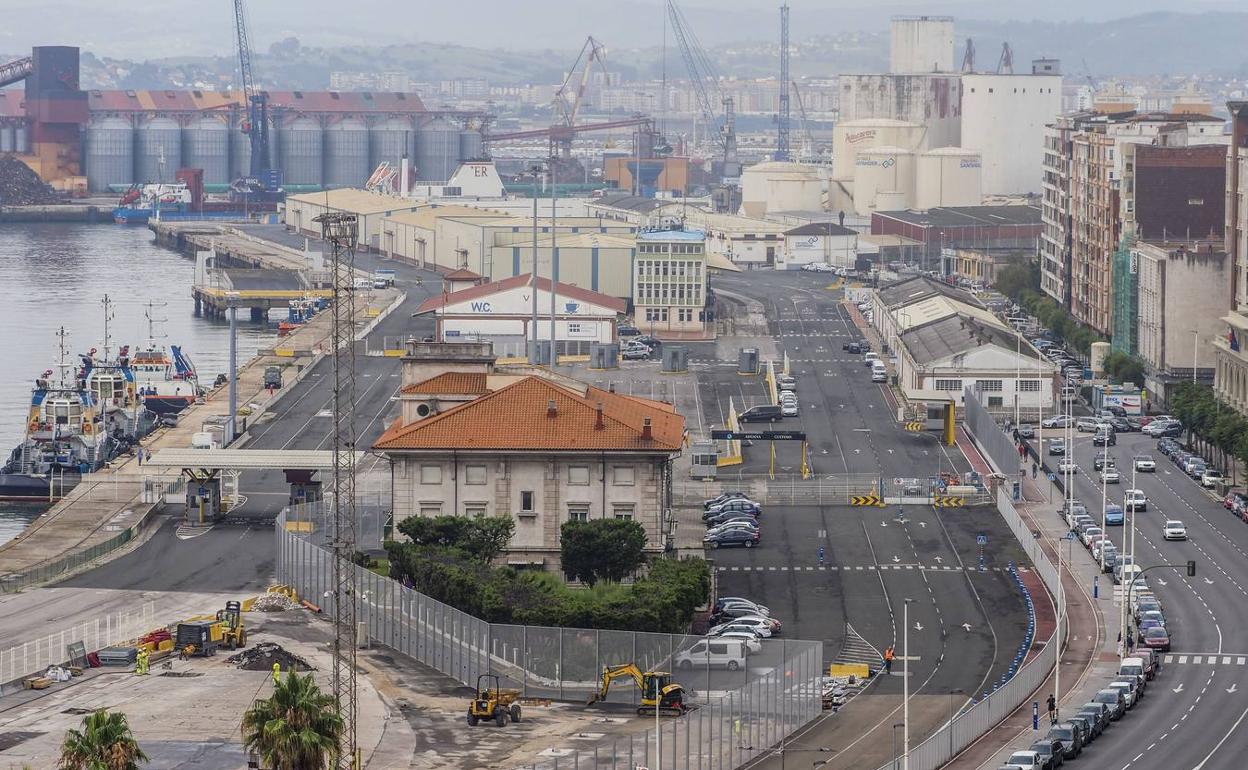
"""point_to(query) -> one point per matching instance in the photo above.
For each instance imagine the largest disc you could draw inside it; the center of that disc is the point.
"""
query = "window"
(623, 475)
(578, 511)
(475, 510)
(995, 401)
(429, 510)
(526, 501)
(988, 385)
(578, 475)
(431, 474)
(574, 328)
(474, 474)
(954, 385)
(1029, 386)
(624, 512)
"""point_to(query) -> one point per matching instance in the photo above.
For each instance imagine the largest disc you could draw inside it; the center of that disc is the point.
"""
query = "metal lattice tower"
(782, 129)
(340, 231)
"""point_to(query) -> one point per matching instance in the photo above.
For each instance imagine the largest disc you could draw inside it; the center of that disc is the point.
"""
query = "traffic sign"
(871, 499)
(981, 540)
(761, 435)
(943, 501)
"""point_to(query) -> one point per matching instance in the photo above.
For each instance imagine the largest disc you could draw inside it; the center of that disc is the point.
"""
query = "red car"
(1156, 639)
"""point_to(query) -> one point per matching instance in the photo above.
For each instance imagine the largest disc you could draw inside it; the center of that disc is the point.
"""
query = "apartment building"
(1230, 379)
(670, 277)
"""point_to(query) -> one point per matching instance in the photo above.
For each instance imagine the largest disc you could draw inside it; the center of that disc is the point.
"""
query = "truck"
(383, 279)
(273, 377)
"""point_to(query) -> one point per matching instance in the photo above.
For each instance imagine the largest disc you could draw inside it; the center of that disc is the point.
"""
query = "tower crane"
(706, 87)
(256, 122)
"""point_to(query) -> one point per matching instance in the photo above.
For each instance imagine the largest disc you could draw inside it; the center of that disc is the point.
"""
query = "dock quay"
(116, 505)
(233, 247)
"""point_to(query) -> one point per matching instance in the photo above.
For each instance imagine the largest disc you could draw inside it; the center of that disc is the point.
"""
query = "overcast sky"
(141, 29)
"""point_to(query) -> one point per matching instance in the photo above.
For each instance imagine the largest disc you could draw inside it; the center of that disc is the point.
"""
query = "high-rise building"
(1002, 113)
(1230, 379)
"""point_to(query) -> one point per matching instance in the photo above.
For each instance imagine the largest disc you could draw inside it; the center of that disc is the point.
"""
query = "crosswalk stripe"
(1239, 661)
(1182, 659)
(1226, 661)
(1196, 660)
(1170, 659)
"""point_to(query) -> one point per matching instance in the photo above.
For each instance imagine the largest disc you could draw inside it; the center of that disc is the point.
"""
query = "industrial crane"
(705, 80)
(255, 124)
(591, 52)
(807, 151)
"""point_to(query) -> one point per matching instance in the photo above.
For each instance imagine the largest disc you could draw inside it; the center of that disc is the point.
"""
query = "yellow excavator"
(658, 691)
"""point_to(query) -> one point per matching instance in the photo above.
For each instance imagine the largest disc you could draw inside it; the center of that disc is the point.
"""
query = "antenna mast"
(341, 232)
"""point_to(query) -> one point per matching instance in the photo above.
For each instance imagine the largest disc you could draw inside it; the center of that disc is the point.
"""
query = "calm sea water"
(54, 275)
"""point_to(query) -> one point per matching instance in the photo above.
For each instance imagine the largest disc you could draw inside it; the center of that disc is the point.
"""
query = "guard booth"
(705, 460)
(204, 469)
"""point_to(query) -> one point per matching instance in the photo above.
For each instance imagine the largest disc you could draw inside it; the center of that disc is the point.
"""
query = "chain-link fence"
(53, 650)
(990, 436)
(740, 710)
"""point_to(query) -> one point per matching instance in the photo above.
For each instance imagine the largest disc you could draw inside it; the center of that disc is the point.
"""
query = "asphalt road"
(874, 558)
(237, 554)
(1195, 711)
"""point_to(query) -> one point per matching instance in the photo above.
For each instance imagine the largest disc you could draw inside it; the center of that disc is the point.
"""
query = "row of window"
(683, 315)
(578, 475)
(680, 268)
(1025, 386)
(669, 248)
(681, 294)
(479, 510)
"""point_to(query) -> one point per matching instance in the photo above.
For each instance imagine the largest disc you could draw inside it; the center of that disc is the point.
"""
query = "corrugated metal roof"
(960, 334)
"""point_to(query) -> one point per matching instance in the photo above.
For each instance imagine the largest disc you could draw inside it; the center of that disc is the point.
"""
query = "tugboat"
(66, 438)
(166, 379)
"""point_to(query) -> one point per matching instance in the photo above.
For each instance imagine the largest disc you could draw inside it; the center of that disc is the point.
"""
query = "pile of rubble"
(263, 655)
(19, 186)
(273, 603)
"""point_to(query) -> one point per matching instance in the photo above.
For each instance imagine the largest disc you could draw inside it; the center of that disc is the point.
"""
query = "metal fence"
(974, 722)
(990, 436)
(738, 714)
(822, 489)
(35, 656)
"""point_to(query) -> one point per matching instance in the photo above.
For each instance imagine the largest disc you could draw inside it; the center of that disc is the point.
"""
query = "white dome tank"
(948, 176)
(891, 200)
(780, 186)
(852, 136)
(883, 169)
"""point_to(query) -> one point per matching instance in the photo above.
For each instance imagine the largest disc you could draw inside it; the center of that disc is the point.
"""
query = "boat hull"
(167, 405)
(28, 488)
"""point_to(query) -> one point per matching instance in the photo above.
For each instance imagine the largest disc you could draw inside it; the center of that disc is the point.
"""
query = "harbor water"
(54, 275)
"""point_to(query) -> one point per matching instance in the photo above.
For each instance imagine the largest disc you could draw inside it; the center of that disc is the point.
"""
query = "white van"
(713, 653)
(879, 371)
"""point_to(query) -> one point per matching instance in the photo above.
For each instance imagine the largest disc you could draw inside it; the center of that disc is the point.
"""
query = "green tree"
(482, 538)
(297, 728)
(602, 549)
(104, 743)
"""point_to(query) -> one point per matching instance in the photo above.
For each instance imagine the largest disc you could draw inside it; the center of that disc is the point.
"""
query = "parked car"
(737, 504)
(1086, 424)
(1174, 530)
(1024, 760)
(628, 331)
(724, 601)
(1123, 425)
(1196, 468)
(1088, 730)
(733, 537)
(787, 382)
(1153, 616)
(638, 353)
(1144, 464)
(1050, 752)
(1130, 691)
(717, 519)
(789, 409)
(1070, 738)
(717, 652)
(1114, 699)
(1090, 533)
(852, 347)
(766, 626)
(1156, 639)
(1057, 421)
(753, 642)
(1098, 712)
(721, 498)
(1057, 447)
(1211, 478)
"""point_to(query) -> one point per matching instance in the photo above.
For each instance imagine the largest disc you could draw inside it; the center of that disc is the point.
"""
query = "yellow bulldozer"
(493, 703)
(658, 691)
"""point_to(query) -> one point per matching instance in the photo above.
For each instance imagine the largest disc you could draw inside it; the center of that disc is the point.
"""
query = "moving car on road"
(1174, 530)
(1144, 464)
(1135, 500)
(1086, 424)
(1059, 421)
(1057, 447)
(1110, 475)
(1114, 516)
(1067, 465)
(638, 353)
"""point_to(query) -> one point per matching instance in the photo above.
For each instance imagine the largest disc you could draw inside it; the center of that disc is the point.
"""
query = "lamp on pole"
(1195, 349)
(905, 684)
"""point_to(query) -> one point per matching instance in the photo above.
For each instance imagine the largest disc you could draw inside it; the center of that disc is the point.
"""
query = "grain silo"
(158, 150)
(852, 136)
(108, 151)
(471, 145)
(437, 150)
(346, 153)
(392, 138)
(240, 150)
(883, 169)
(300, 145)
(6, 138)
(948, 176)
(206, 145)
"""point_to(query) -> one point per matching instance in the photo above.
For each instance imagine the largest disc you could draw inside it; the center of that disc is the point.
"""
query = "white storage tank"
(886, 169)
(206, 145)
(852, 136)
(108, 152)
(780, 186)
(948, 176)
(158, 154)
(890, 200)
(1096, 358)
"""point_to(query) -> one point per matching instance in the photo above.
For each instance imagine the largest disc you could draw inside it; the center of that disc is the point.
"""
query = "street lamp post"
(533, 357)
(895, 726)
(1195, 349)
(905, 685)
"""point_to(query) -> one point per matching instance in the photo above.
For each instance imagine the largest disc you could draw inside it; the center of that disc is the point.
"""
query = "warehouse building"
(370, 208)
(941, 230)
(824, 244)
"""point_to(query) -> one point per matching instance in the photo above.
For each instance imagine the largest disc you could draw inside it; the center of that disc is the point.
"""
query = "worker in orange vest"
(888, 660)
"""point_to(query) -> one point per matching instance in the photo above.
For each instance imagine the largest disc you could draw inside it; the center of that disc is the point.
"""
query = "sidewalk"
(1090, 651)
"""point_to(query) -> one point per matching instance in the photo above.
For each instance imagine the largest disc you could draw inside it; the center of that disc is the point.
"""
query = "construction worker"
(140, 662)
(277, 674)
(888, 660)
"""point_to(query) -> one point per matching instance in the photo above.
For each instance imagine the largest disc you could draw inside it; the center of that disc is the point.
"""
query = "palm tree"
(298, 728)
(104, 743)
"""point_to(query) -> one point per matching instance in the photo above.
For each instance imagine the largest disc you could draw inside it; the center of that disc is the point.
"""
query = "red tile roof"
(515, 418)
(543, 284)
(460, 383)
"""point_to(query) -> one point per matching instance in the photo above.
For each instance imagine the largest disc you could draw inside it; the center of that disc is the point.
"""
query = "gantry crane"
(706, 85)
(255, 123)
